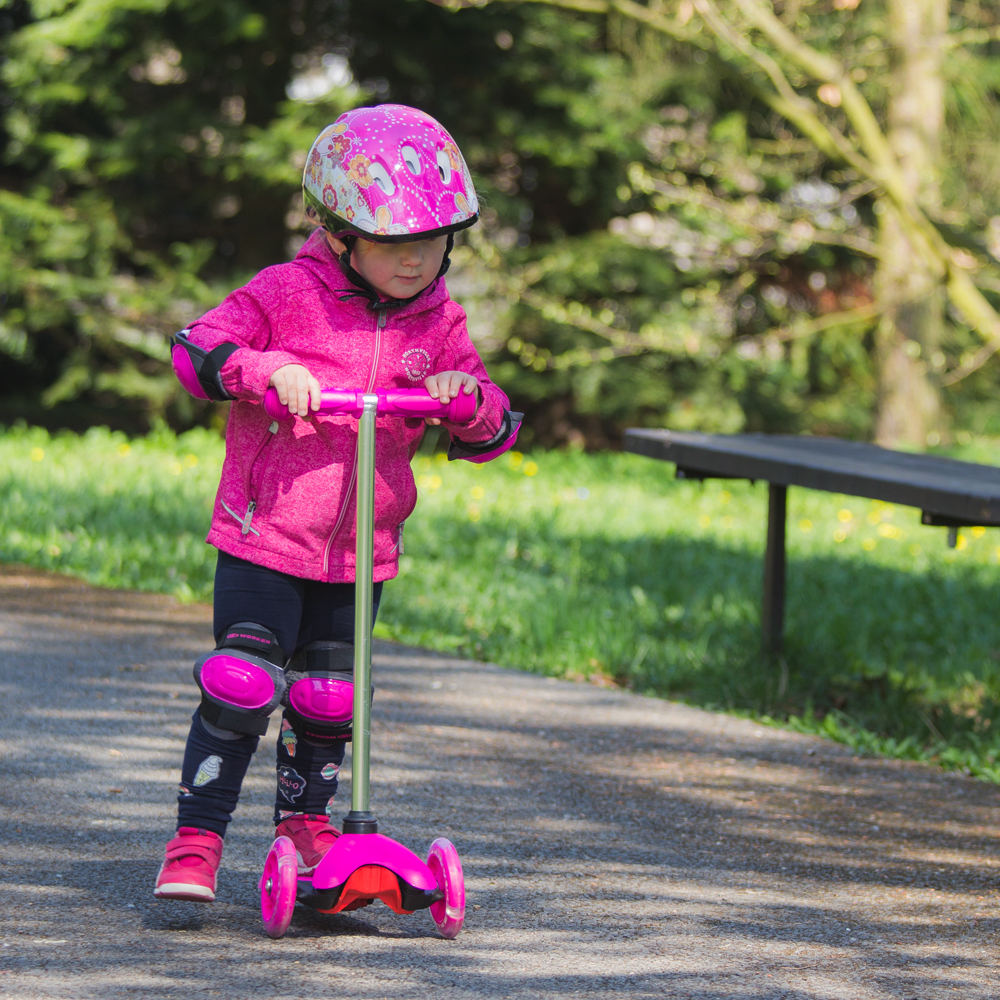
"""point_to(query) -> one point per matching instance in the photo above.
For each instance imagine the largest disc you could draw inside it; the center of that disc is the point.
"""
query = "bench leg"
(772, 619)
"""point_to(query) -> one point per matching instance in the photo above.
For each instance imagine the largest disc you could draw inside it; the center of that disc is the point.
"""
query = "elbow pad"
(198, 370)
(485, 451)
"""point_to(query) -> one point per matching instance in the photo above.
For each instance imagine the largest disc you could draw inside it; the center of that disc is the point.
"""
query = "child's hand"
(297, 389)
(447, 385)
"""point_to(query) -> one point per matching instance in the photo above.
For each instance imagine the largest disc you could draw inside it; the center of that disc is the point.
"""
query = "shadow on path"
(613, 845)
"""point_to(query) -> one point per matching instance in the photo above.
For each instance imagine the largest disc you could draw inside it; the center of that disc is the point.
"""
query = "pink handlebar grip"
(418, 403)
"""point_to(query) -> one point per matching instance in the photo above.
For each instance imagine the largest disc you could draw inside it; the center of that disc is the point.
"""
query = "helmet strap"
(364, 288)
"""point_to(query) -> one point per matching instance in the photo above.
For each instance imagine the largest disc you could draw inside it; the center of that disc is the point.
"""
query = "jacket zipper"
(345, 503)
(245, 525)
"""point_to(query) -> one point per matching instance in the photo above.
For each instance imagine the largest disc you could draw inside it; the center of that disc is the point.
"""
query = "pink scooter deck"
(363, 867)
(353, 850)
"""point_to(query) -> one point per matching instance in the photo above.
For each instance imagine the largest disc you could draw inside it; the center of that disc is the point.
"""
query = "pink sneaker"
(312, 836)
(188, 870)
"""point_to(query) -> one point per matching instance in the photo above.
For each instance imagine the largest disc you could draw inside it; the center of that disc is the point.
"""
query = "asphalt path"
(614, 846)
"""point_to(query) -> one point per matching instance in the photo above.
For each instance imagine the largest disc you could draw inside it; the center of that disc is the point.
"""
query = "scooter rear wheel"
(448, 913)
(277, 887)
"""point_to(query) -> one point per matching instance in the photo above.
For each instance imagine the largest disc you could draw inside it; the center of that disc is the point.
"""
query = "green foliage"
(658, 246)
(150, 154)
(757, 218)
(697, 292)
(597, 567)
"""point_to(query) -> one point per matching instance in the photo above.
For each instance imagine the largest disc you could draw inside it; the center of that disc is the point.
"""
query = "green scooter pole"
(360, 819)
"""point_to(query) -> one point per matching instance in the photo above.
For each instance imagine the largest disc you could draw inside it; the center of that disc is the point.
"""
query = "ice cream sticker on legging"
(288, 737)
(208, 770)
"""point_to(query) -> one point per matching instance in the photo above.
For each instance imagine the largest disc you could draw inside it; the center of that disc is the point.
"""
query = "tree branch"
(817, 324)
(874, 159)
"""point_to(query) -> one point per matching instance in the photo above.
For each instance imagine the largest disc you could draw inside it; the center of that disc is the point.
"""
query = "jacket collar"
(318, 257)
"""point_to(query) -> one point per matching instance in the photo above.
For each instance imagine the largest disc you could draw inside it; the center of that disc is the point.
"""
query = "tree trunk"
(909, 294)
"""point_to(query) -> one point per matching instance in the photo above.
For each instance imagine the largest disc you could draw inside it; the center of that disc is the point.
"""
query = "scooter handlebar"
(417, 403)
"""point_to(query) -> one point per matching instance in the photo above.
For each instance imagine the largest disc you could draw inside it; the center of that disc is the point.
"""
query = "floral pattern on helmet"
(357, 170)
(338, 147)
(384, 225)
(454, 156)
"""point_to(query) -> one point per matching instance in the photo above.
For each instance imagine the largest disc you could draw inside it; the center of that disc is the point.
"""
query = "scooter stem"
(360, 820)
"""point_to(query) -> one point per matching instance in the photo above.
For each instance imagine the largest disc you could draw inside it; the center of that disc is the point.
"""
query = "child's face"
(396, 270)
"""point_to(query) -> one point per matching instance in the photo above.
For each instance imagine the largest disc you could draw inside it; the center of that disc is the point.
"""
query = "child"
(363, 305)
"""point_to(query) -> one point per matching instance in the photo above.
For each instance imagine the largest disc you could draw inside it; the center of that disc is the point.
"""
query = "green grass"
(116, 512)
(599, 567)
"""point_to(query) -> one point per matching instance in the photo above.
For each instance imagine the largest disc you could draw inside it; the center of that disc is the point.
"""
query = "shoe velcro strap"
(203, 847)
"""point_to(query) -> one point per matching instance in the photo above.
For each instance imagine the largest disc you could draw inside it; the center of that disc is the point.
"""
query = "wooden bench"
(950, 493)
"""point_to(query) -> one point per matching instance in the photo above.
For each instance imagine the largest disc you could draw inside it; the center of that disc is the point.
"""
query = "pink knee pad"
(239, 690)
(325, 703)
(320, 698)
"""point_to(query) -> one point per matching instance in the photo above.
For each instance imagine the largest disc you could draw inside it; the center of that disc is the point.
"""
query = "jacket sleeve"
(243, 318)
(494, 428)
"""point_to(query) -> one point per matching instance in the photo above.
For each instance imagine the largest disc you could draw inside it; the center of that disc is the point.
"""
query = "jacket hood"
(319, 259)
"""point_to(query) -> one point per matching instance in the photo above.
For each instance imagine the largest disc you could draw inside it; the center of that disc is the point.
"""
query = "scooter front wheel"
(277, 887)
(448, 913)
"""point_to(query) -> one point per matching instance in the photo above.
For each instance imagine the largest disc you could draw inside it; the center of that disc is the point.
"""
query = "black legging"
(298, 612)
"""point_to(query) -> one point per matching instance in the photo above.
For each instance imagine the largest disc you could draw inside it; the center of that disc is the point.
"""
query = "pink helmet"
(388, 174)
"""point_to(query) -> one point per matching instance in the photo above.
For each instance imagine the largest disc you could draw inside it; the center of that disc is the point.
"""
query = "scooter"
(363, 865)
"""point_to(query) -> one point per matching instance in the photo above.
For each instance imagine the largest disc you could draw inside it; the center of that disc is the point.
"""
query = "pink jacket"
(287, 495)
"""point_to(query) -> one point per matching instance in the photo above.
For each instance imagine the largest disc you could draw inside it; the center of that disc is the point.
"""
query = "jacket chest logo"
(416, 364)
